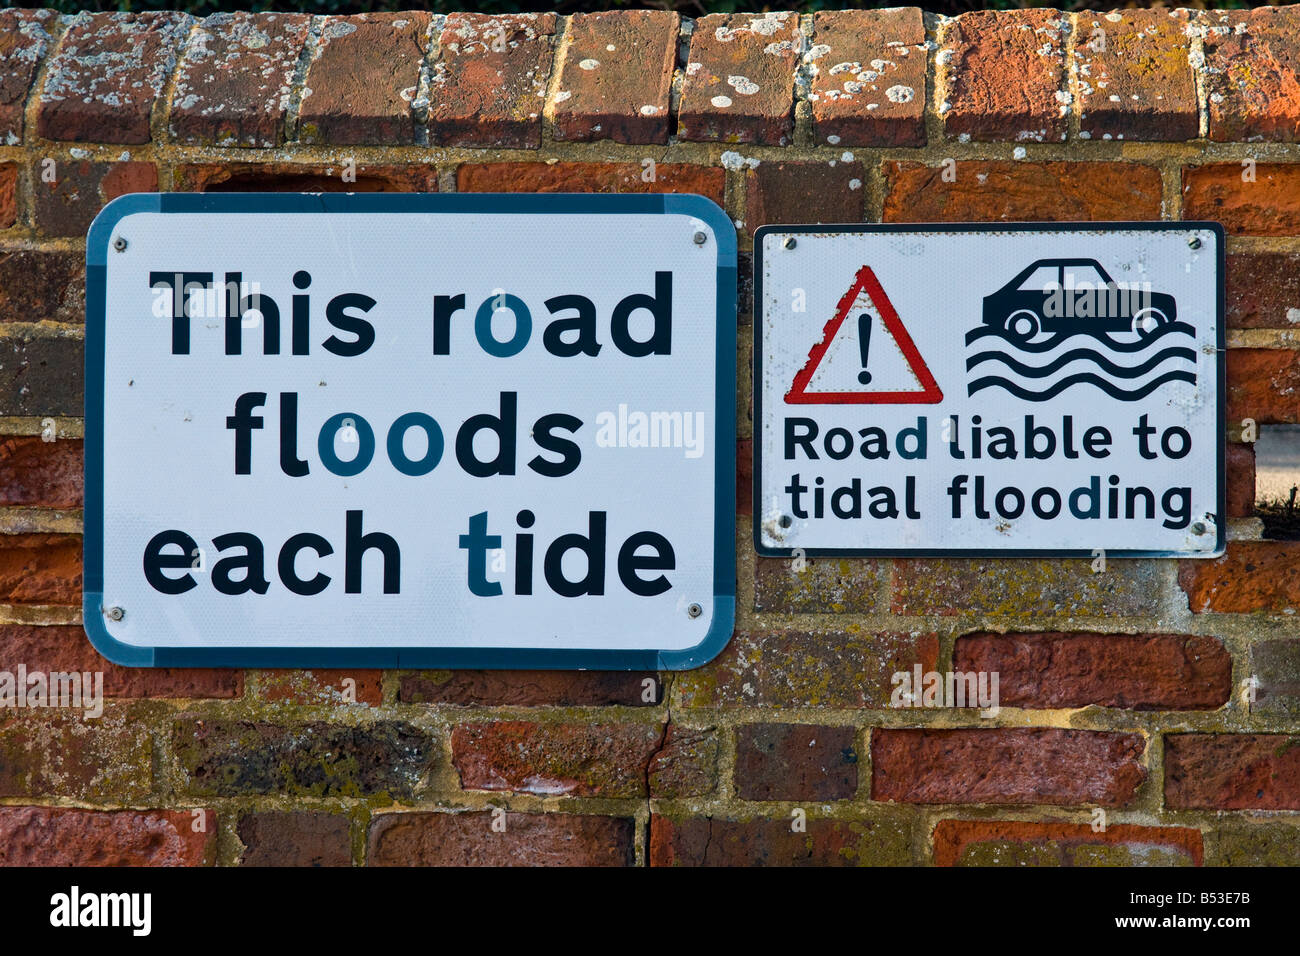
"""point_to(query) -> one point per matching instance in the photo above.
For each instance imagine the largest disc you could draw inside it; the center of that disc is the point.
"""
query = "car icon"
(1072, 296)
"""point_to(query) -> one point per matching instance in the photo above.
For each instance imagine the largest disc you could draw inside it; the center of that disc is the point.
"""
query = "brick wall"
(1157, 698)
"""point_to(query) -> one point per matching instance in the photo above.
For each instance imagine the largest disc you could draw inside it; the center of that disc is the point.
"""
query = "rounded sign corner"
(722, 626)
(1220, 234)
(109, 647)
(1220, 547)
(101, 229)
(711, 214)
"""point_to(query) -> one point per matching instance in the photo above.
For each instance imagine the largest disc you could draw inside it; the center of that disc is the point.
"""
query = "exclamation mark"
(864, 345)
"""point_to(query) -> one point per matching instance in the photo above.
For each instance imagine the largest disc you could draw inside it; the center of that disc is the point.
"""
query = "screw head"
(786, 521)
(119, 244)
(694, 611)
(789, 242)
(115, 614)
(1194, 242)
(701, 238)
(1198, 527)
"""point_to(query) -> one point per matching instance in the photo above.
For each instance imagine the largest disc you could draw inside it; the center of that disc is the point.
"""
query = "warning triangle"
(867, 300)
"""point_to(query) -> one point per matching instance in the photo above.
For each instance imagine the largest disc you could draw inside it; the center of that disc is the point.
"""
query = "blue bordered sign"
(410, 431)
(1016, 389)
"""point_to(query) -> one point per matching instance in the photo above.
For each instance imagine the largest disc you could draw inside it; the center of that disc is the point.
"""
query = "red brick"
(40, 569)
(820, 586)
(229, 757)
(1240, 465)
(295, 838)
(1250, 74)
(310, 687)
(24, 41)
(65, 648)
(42, 284)
(363, 79)
(869, 840)
(233, 83)
(796, 192)
(745, 403)
(616, 76)
(868, 77)
(64, 753)
(1275, 666)
(301, 177)
(42, 372)
(1006, 76)
(1268, 205)
(57, 836)
(805, 669)
(1264, 384)
(532, 688)
(1232, 772)
(1135, 81)
(8, 194)
(81, 189)
(586, 760)
(1020, 587)
(488, 85)
(1252, 843)
(1020, 765)
(1251, 576)
(1262, 290)
(745, 477)
(567, 177)
(1021, 191)
(39, 473)
(1017, 843)
(107, 73)
(739, 79)
(745, 289)
(529, 839)
(796, 762)
(1135, 671)
(686, 765)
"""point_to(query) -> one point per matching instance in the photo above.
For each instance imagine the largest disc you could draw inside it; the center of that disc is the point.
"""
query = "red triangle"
(865, 281)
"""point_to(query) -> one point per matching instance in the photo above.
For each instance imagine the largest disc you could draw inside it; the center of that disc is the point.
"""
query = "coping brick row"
(481, 81)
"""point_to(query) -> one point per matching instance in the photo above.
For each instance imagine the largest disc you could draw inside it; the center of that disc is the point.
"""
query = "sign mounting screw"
(789, 242)
(119, 244)
(114, 613)
(701, 238)
(694, 611)
(1194, 242)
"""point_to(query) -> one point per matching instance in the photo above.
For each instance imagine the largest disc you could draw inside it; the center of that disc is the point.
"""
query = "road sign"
(410, 431)
(1021, 389)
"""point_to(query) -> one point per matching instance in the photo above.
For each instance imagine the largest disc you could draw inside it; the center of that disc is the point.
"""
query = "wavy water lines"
(1015, 365)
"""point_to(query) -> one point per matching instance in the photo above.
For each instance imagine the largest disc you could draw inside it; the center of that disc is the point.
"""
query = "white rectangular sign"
(410, 431)
(1022, 389)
